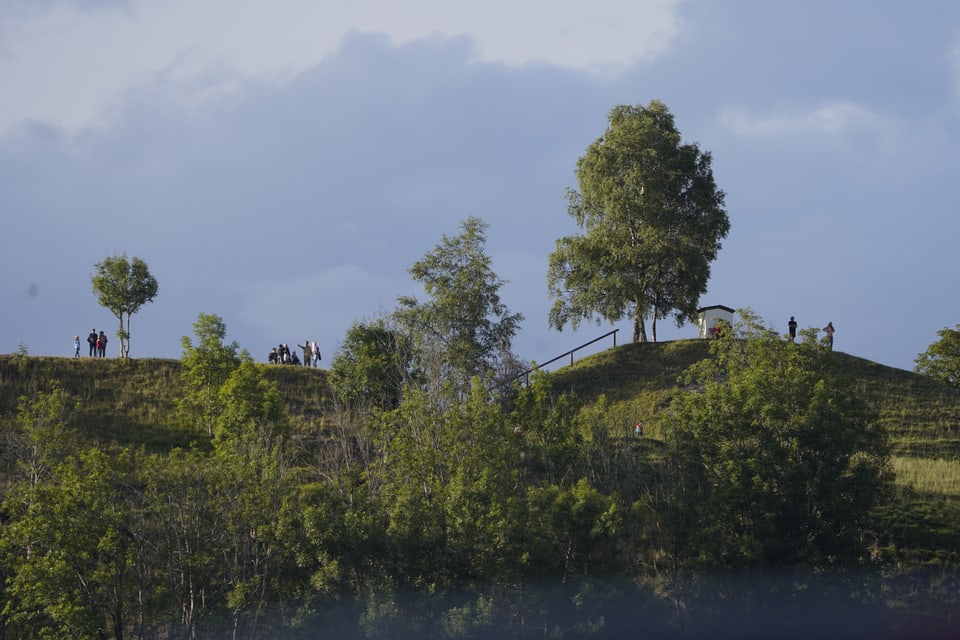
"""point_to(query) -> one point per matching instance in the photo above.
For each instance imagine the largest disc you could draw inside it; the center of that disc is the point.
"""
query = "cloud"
(838, 131)
(73, 68)
(829, 119)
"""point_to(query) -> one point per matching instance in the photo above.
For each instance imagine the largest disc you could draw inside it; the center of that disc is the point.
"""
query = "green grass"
(134, 402)
(921, 415)
(925, 476)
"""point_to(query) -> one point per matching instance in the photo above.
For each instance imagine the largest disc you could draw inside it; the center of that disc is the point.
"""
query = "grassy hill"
(921, 415)
(134, 402)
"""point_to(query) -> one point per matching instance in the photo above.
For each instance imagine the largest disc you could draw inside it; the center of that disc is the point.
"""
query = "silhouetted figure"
(307, 353)
(829, 329)
(92, 341)
(792, 325)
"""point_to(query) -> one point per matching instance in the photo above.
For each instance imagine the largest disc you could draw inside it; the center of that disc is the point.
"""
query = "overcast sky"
(283, 163)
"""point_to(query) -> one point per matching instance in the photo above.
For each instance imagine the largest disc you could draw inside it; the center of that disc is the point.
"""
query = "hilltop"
(134, 401)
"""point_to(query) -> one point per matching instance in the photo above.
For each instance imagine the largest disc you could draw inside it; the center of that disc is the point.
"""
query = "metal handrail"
(568, 353)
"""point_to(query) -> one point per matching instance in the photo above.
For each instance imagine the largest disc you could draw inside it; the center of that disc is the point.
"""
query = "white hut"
(709, 317)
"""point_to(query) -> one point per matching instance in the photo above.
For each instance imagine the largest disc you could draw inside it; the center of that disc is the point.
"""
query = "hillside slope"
(921, 414)
(134, 402)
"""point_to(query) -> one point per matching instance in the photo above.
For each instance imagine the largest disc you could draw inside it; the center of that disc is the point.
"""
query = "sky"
(283, 163)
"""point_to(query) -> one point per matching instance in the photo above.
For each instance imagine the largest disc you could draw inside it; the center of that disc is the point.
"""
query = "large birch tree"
(653, 219)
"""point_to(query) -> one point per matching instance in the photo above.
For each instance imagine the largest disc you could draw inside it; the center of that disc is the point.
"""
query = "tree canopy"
(941, 360)
(778, 462)
(653, 219)
(372, 365)
(465, 329)
(123, 286)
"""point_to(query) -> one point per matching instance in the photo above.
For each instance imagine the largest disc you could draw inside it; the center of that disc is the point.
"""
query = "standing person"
(307, 353)
(92, 341)
(76, 346)
(829, 329)
(792, 325)
(102, 342)
(316, 354)
(274, 357)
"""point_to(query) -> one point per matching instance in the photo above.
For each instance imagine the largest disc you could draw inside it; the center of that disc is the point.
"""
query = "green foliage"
(206, 368)
(372, 365)
(123, 286)
(466, 515)
(779, 463)
(941, 360)
(464, 330)
(252, 408)
(71, 551)
(42, 437)
(653, 220)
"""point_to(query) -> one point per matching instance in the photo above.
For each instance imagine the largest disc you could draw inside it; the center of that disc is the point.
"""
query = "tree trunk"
(639, 329)
(653, 329)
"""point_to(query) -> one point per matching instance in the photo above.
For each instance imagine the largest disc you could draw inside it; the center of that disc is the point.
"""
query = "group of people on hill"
(829, 330)
(281, 354)
(97, 343)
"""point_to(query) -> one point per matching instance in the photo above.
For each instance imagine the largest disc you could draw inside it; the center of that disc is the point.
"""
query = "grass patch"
(927, 476)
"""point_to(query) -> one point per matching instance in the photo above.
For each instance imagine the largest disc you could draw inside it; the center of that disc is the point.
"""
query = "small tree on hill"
(206, 367)
(941, 360)
(123, 286)
(464, 330)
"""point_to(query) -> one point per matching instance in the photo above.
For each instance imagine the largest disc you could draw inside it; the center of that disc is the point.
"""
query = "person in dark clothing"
(307, 352)
(792, 325)
(102, 345)
(92, 341)
(274, 357)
